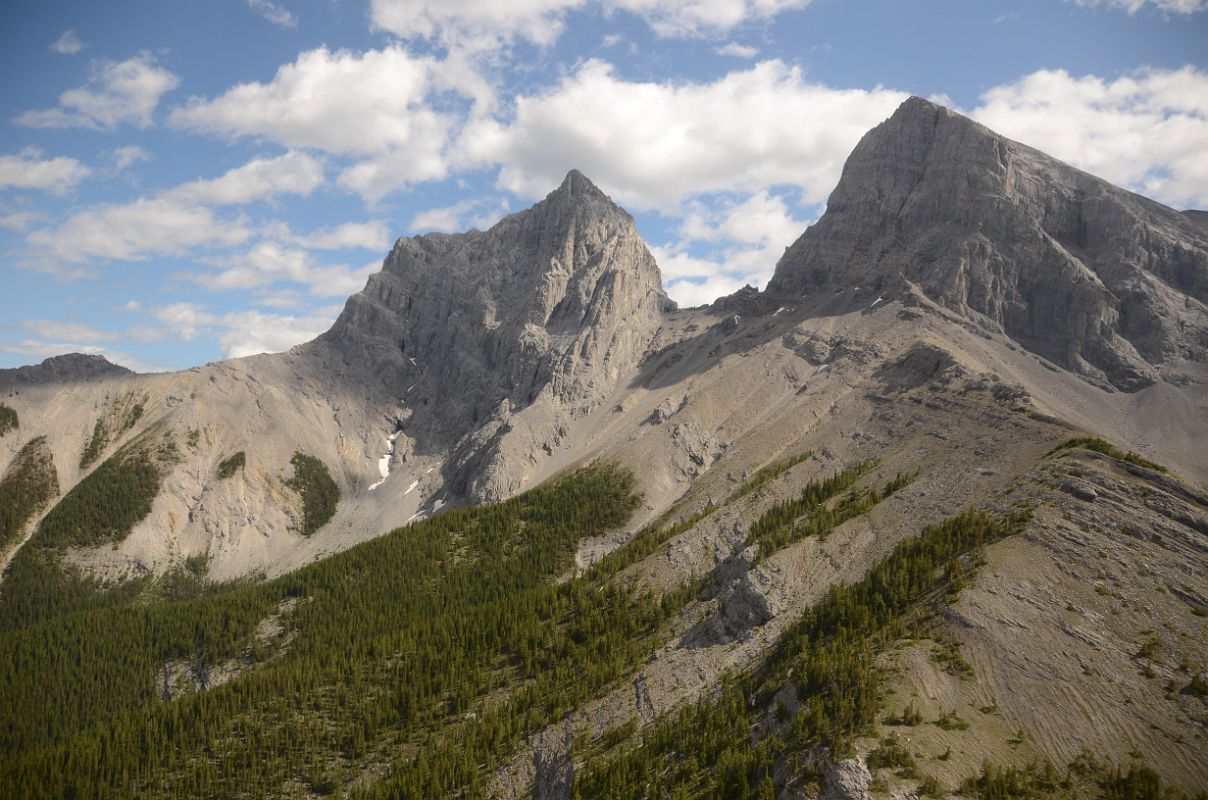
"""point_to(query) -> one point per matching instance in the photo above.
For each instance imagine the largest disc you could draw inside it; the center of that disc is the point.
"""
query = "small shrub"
(1198, 687)
(952, 722)
(1097, 445)
(230, 465)
(8, 419)
(909, 717)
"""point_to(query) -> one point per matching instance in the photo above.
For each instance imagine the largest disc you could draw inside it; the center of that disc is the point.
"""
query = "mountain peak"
(1013, 239)
(65, 368)
(578, 188)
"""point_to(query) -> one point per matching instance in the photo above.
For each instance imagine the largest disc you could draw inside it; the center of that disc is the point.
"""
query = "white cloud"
(457, 217)
(68, 44)
(186, 320)
(476, 21)
(116, 94)
(268, 263)
(377, 104)
(251, 332)
(747, 238)
(1147, 131)
(258, 179)
(700, 17)
(28, 170)
(281, 17)
(126, 157)
(373, 235)
(67, 330)
(19, 220)
(651, 145)
(479, 23)
(737, 50)
(134, 231)
(1133, 6)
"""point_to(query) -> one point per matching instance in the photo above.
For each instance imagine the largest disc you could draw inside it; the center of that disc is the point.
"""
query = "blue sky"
(188, 181)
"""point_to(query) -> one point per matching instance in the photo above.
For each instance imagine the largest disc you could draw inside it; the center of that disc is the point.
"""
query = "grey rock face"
(846, 780)
(65, 368)
(1105, 282)
(548, 308)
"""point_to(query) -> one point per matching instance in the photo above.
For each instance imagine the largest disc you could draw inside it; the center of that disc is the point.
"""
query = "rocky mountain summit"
(1101, 281)
(545, 312)
(63, 369)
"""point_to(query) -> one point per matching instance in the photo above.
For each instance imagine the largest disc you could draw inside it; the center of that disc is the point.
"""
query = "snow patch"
(411, 488)
(384, 461)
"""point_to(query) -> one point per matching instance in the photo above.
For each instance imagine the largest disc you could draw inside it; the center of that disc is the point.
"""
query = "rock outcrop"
(64, 369)
(548, 308)
(1104, 282)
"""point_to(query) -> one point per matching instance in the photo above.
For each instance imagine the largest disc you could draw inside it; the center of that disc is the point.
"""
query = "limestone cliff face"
(548, 308)
(1102, 281)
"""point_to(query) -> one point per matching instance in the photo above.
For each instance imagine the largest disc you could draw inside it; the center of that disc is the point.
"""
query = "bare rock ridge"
(1104, 282)
(63, 369)
(548, 308)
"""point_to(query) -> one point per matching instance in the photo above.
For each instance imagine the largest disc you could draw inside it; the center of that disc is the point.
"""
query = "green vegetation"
(28, 485)
(231, 465)
(706, 750)
(910, 717)
(101, 509)
(1108, 449)
(8, 419)
(1085, 777)
(891, 753)
(767, 475)
(314, 484)
(422, 657)
(98, 441)
(119, 417)
(950, 721)
(105, 505)
(811, 514)
(1197, 687)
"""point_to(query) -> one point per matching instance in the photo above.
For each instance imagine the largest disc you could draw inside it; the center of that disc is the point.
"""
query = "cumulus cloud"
(373, 235)
(135, 231)
(699, 17)
(480, 214)
(539, 21)
(281, 17)
(258, 179)
(125, 157)
(379, 104)
(19, 220)
(68, 44)
(745, 239)
(72, 330)
(651, 145)
(1147, 131)
(1133, 6)
(737, 50)
(478, 23)
(28, 170)
(122, 93)
(249, 333)
(268, 263)
(184, 320)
